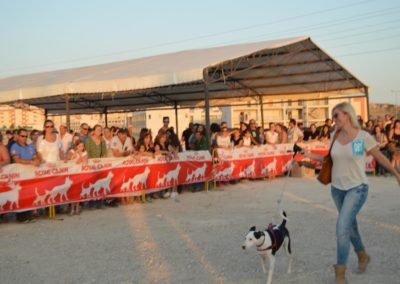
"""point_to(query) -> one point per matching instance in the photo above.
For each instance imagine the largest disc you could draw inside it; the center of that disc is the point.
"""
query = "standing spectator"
(4, 160)
(192, 138)
(272, 136)
(49, 145)
(369, 126)
(261, 135)
(236, 139)
(224, 138)
(360, 121)
(325, 134)
(387, 120)
(34, 136)
(214, 129)
(174, 145)
(107, 135)
(96, 148)
(165, 126)
(201, 141)
(161, 144)
(282, 133)
(329, 122)
(394, 138)
(12, 140)
(243, 127)
(255, 138)
(247, 141)
(311, 135)
(186, 135)
(24, 153)
(66, 138)
(9, 135)
(295, 135)
(121, 145)
(78, 154)
(84, 132)
(4, 156)
(382, 141)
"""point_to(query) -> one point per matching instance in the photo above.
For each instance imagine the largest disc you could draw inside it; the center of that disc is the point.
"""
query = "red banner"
(24, 187)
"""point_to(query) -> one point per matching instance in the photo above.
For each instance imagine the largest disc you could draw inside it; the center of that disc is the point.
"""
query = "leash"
(279, 209)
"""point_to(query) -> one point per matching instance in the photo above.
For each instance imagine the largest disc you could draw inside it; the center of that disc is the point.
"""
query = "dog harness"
(276, 235)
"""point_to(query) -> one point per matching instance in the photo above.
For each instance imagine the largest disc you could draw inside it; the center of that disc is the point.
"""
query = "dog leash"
(295, 150)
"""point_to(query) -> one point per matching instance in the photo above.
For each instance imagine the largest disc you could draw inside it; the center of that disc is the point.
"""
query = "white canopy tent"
(294, 68)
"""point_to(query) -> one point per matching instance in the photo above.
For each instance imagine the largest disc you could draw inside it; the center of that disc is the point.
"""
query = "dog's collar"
(262, 242)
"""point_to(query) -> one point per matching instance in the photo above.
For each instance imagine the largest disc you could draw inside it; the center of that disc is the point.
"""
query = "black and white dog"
(268, 243)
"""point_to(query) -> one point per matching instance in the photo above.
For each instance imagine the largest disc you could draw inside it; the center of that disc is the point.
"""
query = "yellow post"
(52, 212)
(213, 163)
(143, 197)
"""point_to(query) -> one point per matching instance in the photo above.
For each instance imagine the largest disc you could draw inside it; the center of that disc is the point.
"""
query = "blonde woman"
(349, 183)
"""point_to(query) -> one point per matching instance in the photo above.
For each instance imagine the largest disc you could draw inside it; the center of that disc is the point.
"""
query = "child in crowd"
(79, 155)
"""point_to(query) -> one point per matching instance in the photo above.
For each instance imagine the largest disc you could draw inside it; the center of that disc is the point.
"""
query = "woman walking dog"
(349, 182)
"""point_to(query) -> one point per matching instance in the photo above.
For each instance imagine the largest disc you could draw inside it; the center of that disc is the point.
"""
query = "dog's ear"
(257, 235)
(253, 228)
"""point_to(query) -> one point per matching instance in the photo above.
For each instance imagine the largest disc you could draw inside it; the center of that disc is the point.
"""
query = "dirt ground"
(198, 239)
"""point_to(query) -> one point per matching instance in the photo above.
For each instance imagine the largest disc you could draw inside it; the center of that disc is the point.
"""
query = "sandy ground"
(198, 240)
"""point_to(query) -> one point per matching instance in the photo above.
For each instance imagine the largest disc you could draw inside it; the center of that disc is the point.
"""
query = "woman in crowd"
(394, 141)
(224, 138)
(272, 137)
(79, 155)
(312, 135)
(247, 141)
(236, 139)
(369, 126)
(107, 135)
(382, 141)
(324, 135)
(349, 187)
(49, 145)
(243, 127)
(96, 147)
(160, 144)
(4, 155)
(282, 133)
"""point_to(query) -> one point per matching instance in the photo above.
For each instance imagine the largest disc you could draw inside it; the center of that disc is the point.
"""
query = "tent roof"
(294, 66)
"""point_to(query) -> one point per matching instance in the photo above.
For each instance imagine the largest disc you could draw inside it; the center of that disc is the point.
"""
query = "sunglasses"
(24, 136)
(166, 121)
(85, 128)
(49, 126)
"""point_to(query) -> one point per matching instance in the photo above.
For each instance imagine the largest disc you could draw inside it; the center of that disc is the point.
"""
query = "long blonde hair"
(348, 108)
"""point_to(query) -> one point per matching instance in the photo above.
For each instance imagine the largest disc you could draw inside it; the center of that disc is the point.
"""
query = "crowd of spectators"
(51, 145)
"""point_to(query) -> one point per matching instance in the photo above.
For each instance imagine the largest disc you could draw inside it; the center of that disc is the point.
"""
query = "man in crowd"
(84, 132)
(255, 137)
(23, 153)
(66, 138)
(12, 140)
(187, 133)
(295, 135)
(165, 126)
(121, 145)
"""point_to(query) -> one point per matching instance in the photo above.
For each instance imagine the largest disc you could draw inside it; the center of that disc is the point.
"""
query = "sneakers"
(174, 194)
(167, 194)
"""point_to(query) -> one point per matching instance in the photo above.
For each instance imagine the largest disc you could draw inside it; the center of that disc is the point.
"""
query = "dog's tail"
(284, 216)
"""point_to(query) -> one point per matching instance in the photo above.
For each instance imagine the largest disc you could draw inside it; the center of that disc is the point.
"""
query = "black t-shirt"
(236, 142)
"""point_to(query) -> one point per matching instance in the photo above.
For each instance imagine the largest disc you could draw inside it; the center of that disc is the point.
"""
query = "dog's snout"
(243, 247)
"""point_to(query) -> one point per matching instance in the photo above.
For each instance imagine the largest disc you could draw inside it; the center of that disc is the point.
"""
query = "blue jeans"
(348, 203)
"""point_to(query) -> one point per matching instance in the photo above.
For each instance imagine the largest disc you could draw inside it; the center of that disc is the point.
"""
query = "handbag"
(325, 174)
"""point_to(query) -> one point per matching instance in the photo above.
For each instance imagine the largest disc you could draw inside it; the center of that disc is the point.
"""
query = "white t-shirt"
(67, 142)
(246, 141)
(223, 141)
(116, 144)
(50, 151)
(294, 134)
(272, 137)
(348, 169)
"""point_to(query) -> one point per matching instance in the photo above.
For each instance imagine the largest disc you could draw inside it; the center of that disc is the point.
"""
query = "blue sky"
(45, 35)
